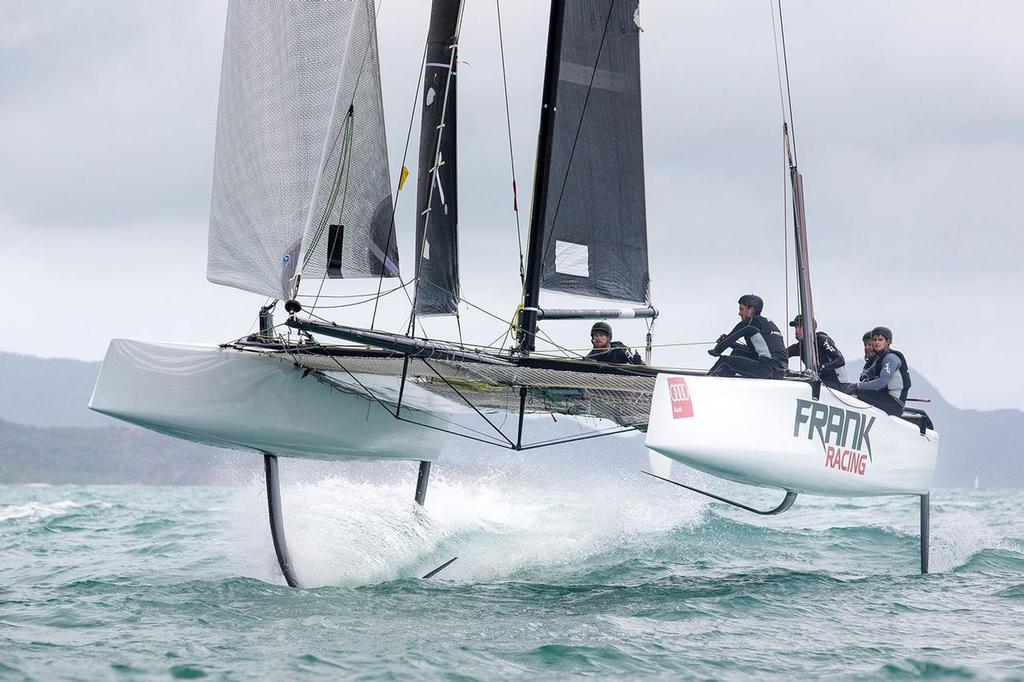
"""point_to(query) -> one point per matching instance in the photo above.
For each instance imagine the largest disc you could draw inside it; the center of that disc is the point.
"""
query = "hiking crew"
(606, 350)
(831, 363)
(869, 354)
(762, 356)
(887, 376)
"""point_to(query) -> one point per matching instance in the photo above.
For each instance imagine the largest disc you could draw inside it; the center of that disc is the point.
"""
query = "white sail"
(291, 71)
(350, 231)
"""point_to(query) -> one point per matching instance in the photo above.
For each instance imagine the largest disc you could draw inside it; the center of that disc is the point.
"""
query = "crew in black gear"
(763, 356)
(888, 376)
(869, 354)
(831, 363)
(606, 350)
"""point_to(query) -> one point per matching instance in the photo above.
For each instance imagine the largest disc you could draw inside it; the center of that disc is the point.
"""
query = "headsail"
(300, 145)
(594, 237)
(437, 249)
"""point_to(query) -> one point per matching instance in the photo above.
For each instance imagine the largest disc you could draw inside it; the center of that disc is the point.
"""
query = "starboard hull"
(252, 401)
(774, 434)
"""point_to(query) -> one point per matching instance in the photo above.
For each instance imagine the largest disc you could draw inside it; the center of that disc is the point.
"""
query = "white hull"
(772, 433)
(251, 401)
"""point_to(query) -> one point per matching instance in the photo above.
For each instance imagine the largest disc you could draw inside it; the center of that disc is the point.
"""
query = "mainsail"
(300, 171)
(437, 254)
(594, 226)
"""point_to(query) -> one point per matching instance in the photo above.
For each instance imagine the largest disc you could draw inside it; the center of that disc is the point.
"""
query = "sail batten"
(301, 159)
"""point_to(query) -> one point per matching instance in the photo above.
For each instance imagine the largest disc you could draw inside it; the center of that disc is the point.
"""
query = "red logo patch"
(680, 395)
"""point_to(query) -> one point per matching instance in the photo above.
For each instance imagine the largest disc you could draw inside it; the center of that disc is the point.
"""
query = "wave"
(37, 510)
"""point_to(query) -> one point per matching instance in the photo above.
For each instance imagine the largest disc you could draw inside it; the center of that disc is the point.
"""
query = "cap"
(602, 327)
(799, 320)
(882, 331)
(868, 336)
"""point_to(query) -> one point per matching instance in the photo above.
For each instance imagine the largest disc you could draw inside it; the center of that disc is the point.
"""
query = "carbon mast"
(538, 211)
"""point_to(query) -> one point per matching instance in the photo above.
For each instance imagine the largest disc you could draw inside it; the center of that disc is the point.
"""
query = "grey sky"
(909, 124)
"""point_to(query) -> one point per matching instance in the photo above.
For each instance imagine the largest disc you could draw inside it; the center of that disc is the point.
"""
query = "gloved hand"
(720, 337)
(714, 353)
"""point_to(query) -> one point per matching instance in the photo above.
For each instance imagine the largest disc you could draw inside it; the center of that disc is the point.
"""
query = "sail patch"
(572, 259)
(587, 76)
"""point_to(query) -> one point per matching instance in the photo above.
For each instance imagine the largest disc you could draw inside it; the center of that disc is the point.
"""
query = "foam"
(348, 532)
(37, 510)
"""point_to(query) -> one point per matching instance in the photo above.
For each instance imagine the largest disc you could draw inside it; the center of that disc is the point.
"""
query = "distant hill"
(113, 454)
(48, 435)
(975, 444)
(48, 391)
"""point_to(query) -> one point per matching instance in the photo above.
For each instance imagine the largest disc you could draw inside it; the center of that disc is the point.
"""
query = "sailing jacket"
(763, 340)
(890, 373)
(868, 361)
(616, 352)
(831, 363)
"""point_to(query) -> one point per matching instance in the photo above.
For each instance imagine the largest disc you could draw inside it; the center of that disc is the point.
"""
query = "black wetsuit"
(864, 375)
(762, 357)
(617, 352)
(831, 363)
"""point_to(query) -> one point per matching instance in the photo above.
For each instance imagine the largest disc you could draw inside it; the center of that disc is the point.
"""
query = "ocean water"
(561, 570)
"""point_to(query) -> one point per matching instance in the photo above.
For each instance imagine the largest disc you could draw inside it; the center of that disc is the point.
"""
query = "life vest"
(876, 369)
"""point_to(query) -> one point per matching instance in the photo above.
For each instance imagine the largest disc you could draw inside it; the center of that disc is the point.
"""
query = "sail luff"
(437, 252)
(542, 171)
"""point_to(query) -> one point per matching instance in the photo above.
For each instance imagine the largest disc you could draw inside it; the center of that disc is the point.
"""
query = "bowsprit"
(834, 425)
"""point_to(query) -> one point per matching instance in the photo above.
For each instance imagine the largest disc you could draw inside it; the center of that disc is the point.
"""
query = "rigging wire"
(785, 173)
(511, 153)
(405, 156)
(344, 168)
(789, 94)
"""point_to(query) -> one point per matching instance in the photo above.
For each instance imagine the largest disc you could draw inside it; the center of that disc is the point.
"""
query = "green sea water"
(603, 573)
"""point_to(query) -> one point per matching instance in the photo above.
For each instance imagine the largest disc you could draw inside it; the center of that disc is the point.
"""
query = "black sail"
(594, 237)
(437, 248)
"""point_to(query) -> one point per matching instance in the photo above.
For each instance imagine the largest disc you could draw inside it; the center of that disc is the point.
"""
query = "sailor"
(606, 350)
(888, 376)
(869, 354)
(763, 356)
(831, 363)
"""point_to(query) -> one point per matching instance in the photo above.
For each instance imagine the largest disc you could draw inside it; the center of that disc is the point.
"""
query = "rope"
(405, 156)
(346, 156)
(785, 173)
(511, 154)
(789, 95)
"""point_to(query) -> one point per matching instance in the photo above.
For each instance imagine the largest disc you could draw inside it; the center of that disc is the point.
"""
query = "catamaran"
(302, 193)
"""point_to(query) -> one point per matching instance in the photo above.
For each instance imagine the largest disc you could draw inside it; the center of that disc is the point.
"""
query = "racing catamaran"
(302, 193)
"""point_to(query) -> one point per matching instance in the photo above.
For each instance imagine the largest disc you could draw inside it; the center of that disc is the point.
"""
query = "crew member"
(888, 379)
(762, 356)
(606, 350)
(831, 363)
(869, 354)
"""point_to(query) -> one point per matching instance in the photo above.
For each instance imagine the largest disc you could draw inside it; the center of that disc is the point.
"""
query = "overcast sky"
(909, 124)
